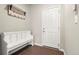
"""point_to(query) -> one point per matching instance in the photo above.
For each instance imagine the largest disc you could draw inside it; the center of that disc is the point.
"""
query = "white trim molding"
(38, 44)
(63, 51)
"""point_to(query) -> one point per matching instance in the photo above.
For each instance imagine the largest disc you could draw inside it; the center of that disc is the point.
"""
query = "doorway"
(51, 27)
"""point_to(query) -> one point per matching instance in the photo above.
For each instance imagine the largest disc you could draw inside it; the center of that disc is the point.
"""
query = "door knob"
(43, 31)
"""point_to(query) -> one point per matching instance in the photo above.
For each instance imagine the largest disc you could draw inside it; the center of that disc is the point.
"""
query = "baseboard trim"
(63, 51)
(37, 44)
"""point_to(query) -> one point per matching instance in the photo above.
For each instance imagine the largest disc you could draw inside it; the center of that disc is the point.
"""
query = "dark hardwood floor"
(38, 50)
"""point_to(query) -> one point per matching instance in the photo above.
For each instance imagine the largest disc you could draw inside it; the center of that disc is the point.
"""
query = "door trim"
(58, 28)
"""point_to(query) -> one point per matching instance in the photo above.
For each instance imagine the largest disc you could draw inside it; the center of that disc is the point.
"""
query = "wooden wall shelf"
(16, 12)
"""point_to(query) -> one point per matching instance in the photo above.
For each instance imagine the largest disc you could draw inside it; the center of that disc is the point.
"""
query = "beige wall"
(71, 32)
(36, 22)
(9, 23)
(62, 28)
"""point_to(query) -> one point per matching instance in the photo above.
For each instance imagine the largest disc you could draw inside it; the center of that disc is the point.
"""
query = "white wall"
(71, 32)
(36, 20)
(62, 28)
(9, 23)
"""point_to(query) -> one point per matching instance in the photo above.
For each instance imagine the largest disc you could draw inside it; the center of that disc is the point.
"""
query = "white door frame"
(58, 29)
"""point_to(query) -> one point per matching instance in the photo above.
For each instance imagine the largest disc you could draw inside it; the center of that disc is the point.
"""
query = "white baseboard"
(37, 44)
(63, 51)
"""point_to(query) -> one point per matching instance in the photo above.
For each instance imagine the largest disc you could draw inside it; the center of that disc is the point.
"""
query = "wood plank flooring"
(38, 50)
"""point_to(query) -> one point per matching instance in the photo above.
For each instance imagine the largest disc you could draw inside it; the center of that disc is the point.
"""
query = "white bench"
(13, 41)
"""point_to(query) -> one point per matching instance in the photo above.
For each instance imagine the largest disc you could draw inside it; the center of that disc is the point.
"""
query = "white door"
(51, 27)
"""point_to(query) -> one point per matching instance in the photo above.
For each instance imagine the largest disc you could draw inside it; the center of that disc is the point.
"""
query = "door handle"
(43, 31)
